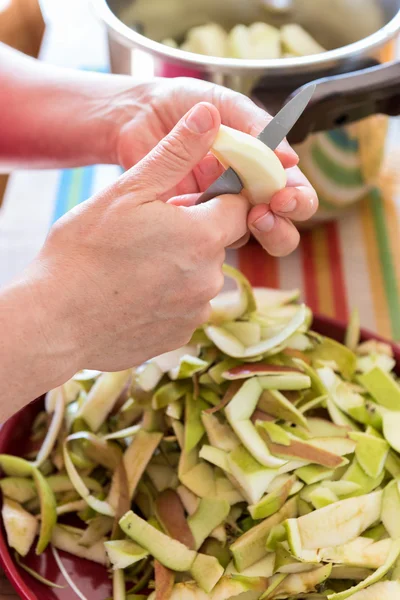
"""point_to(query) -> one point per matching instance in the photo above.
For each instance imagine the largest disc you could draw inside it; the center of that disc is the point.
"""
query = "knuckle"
(175, 149)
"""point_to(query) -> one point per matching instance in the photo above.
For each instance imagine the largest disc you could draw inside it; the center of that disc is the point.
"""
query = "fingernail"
(265, 223)
(200, 120)
(289, 207)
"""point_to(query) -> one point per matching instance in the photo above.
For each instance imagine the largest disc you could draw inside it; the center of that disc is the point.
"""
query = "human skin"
(129, 273)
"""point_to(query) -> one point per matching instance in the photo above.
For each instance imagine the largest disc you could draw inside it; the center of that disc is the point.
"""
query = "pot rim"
(130, 38)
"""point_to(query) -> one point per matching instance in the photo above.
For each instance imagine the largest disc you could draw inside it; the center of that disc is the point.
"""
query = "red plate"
(91, 579)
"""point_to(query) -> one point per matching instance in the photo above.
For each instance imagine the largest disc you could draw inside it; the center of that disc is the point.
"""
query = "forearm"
(36, 348)
(52, 117)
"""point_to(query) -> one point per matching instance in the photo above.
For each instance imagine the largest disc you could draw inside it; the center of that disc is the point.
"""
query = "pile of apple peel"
(258, 41)
(260, 461)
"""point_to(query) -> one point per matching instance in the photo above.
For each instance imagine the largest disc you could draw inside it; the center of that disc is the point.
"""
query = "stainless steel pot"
(359, 35)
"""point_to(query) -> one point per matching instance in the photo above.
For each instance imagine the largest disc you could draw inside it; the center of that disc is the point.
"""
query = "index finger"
(224, 216)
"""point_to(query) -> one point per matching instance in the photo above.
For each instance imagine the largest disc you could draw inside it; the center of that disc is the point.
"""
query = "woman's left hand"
(151, 112)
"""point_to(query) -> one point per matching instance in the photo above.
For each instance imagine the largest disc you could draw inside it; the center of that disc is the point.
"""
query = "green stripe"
(324, 203)
(342, 176)
(75, 189)
(343, 141)
(386, 260)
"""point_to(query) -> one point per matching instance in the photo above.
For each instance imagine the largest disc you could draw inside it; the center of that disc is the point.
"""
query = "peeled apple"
(259, 169)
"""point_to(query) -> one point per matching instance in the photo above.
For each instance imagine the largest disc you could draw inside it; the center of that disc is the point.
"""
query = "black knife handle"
(343, 99)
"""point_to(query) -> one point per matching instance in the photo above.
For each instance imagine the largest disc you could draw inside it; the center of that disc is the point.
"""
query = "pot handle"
(343, 99)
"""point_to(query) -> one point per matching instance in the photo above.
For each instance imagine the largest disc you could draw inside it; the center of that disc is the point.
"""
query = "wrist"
(39, 351)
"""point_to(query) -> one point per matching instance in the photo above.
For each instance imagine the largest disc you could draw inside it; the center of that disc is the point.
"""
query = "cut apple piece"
(382, 387)
(321, 497)
(200, 480)
(286, 563)
(138, 455)
(276, 434)
(247, 370)
(346, 572)
(356, 474)
(250, 548)
(271, 503)
(361, 552)
(188, 366)
(352, 338)
(311, 474)
(216, 457)
(194, 428)
(274, 403)
(231, 346)
(67, 539)
(210, 39)
(170, 360)
(391, 509)
(148, 376)
(246, 332)
(238, 412)
(164, 580)
(239, 42)
(301, 583)
(170, 513)
(220, 434)
(207, 571)
(237, 587)
(171, 553)
(253, 477)
(21, 527)
(341, 446)
(265, 41)
(18, 489)
(391, 429)
(330, 350)
(339, 523)
(124, 553)
(384, 590)
(102, 398)
(298, 449)
(262, 568)
(168, 393)
(323, 428)
(371, 452)
(253, 441)
(210, 513)
(298, 41)
(231, 305)
(374, 578)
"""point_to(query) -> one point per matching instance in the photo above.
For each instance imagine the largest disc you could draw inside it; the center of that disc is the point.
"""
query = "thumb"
(176, 155)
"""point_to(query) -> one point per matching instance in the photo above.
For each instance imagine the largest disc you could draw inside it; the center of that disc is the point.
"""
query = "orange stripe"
(271, 271)
(309, 271)
(252, 263)
(323, 272)
(375, 271)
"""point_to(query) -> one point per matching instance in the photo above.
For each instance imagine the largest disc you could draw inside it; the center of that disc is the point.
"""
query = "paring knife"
(272, 135)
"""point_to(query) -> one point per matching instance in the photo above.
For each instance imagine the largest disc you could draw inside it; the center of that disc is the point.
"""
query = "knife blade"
(272, 135)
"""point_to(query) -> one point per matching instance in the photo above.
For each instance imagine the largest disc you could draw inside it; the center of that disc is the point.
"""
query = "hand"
(135, 274)
(156, 108)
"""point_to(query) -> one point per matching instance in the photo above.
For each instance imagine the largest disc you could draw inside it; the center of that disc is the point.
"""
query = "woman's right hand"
(125, 276)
